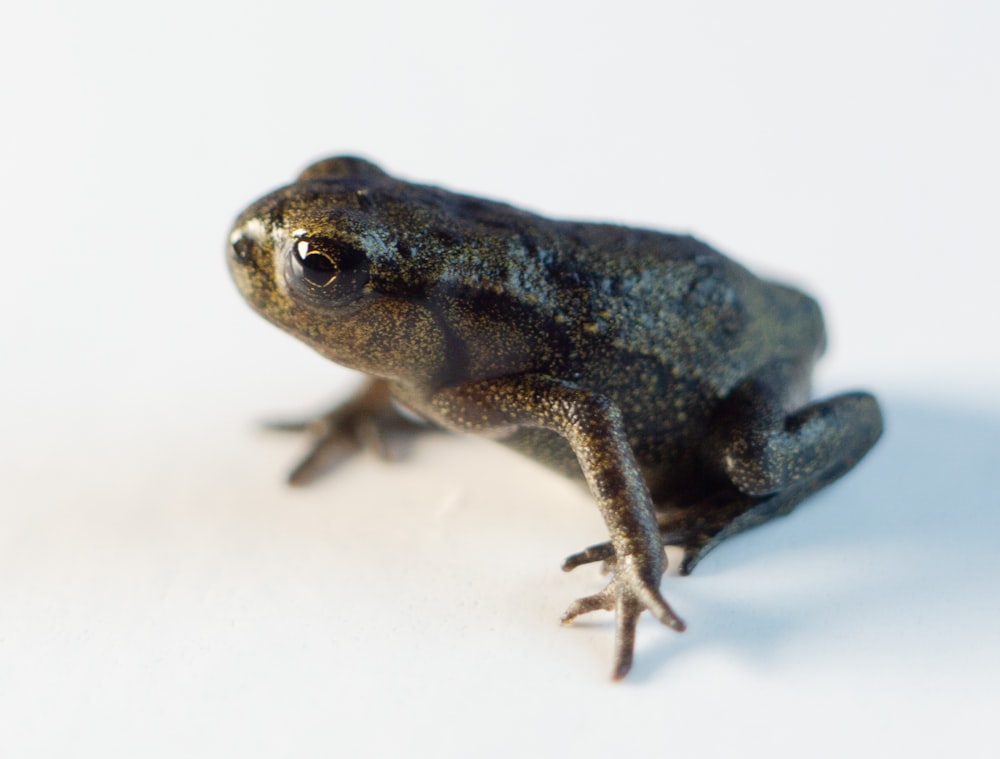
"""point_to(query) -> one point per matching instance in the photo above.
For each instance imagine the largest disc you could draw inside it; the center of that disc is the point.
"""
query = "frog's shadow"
(915, 525)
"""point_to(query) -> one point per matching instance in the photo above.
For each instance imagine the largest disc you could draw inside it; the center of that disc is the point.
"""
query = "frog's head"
(316, 259)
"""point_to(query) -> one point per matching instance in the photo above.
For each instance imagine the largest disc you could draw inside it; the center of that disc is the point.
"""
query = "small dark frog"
(669, 378)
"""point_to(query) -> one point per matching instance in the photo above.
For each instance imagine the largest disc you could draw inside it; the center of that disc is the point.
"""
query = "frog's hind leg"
(699, 528)
(774, 460)
(770, 463)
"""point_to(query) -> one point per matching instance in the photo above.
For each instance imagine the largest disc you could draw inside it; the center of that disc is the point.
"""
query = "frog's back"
(673, 300)
(615, 297)
(667, 327)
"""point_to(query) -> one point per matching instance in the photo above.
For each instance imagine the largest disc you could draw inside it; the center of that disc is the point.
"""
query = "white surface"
(161, 592)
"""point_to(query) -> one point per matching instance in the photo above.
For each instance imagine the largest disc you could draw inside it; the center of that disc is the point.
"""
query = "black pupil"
(317, 268)
(322, 260)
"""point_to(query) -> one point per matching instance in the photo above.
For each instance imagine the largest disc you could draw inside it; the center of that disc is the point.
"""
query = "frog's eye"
(314, 266)
(327, 268)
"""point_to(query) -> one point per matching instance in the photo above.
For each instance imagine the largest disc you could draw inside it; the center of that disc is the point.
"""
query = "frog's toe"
(603, 552)
(630, 602)
(327, 451)
(627, 611)
(627, 599)
(334, 436)
(368, 422)
(604, 600)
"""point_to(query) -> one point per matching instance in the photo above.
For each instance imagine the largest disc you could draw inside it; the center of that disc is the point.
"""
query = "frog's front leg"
(592, 424)
(366, 421)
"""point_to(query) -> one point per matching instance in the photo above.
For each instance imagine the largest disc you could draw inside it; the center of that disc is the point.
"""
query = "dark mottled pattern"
(668, 377)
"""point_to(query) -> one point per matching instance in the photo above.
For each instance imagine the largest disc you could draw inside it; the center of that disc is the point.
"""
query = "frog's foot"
(368, 421)
(630, 592)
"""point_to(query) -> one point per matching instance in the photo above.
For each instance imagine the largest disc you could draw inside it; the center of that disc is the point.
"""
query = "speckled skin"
(673, 380)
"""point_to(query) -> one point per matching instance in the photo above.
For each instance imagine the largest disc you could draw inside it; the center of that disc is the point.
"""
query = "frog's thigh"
(764, 450)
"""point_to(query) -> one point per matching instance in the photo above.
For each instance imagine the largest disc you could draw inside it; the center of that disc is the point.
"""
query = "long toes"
(587, 604)
(600, 552)
(657, 605)
(626, 618)
(325, 453)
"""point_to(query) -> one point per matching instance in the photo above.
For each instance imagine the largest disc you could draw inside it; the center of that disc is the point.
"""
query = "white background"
(163, 594)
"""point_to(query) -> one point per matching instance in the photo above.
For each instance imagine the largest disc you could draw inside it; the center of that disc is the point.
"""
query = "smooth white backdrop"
(161, 591)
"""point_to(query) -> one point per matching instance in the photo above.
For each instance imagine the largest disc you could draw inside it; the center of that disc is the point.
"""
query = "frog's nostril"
(242, 248)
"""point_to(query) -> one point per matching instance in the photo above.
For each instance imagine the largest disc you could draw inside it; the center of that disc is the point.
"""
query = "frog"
(668, 379)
